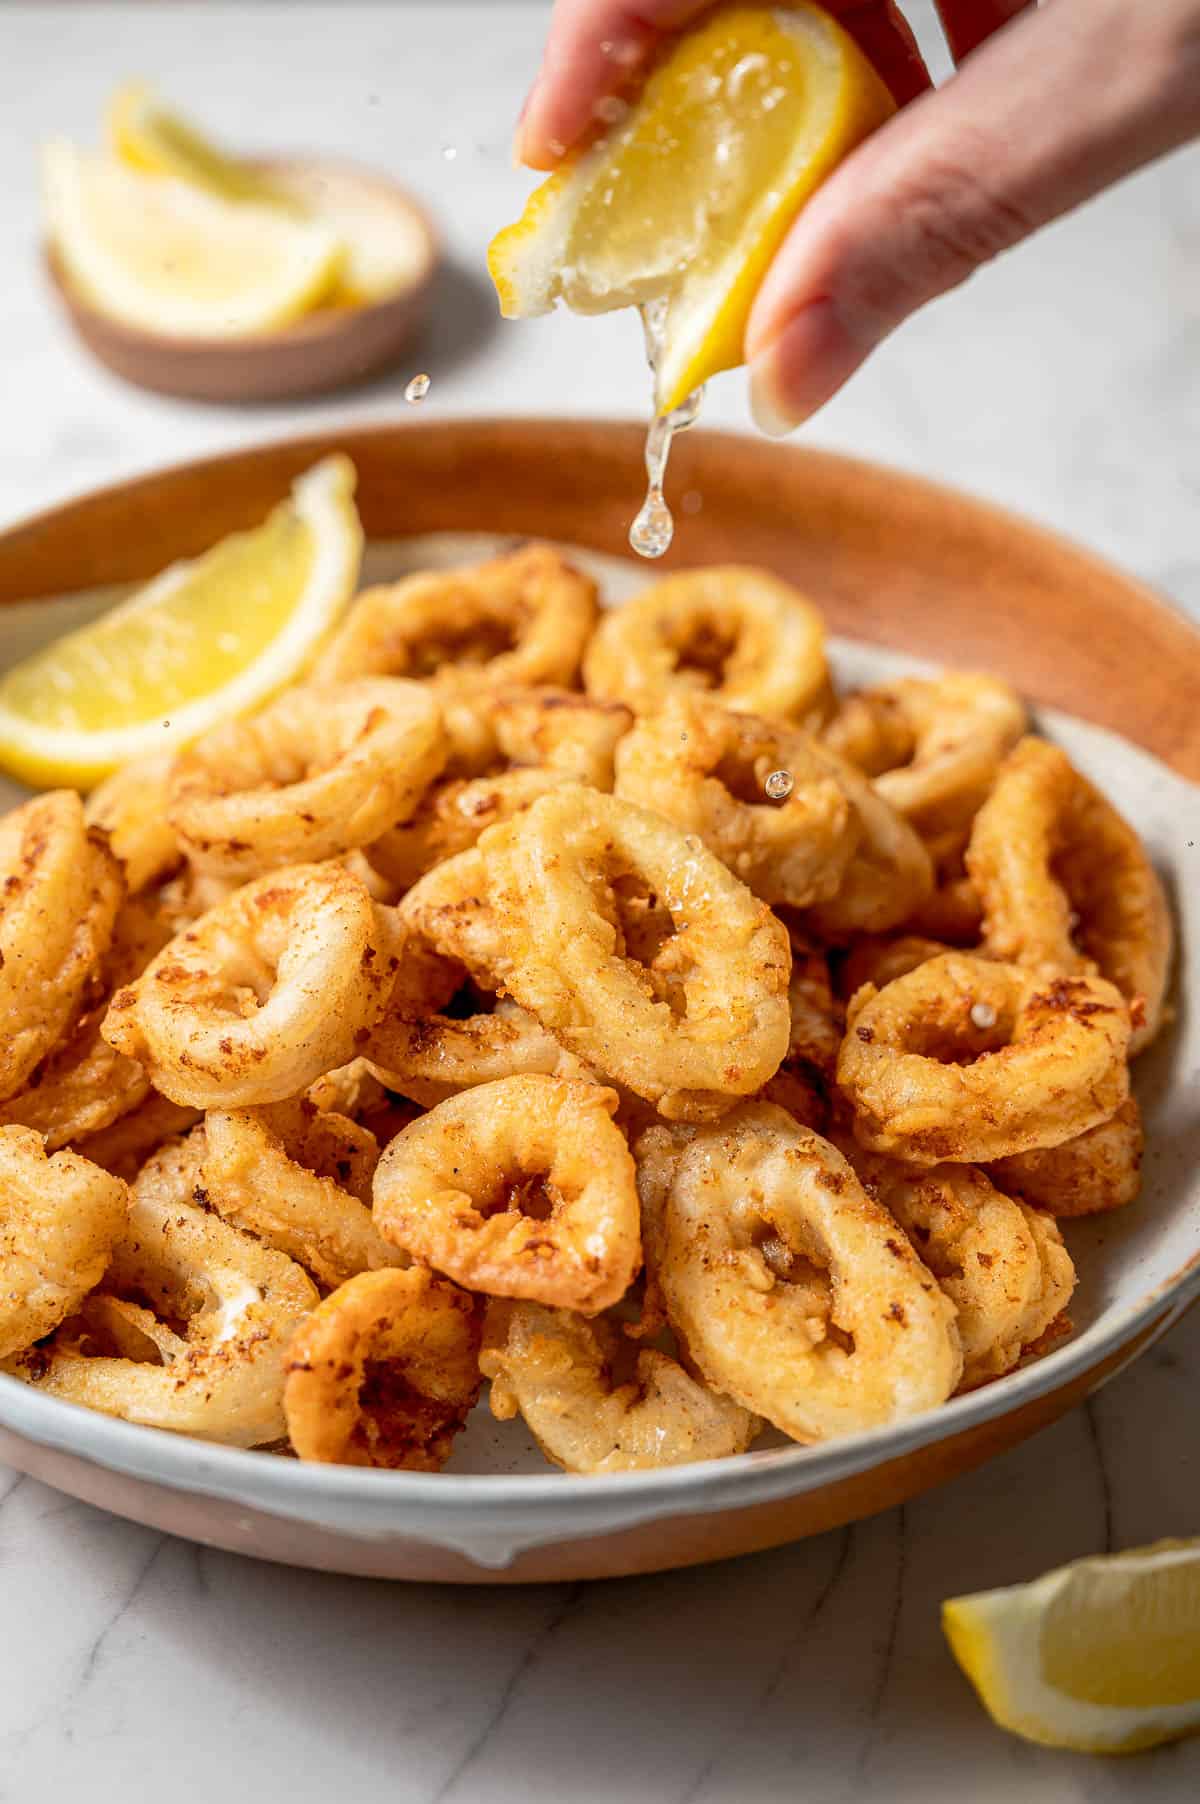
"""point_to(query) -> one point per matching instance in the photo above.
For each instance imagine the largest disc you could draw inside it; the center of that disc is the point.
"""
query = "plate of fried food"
(541, 1067)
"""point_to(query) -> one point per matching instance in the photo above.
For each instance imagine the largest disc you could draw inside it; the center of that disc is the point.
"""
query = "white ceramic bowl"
(499, 1512)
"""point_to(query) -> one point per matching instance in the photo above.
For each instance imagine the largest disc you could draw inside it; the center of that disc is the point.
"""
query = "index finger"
(597, 48)
(594, 48)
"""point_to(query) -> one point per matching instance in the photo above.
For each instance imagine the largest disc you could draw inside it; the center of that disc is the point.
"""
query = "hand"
(1050, 108)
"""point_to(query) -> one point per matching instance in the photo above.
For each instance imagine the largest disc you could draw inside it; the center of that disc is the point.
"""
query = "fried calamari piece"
(313, 775)
(793, 1291)
(60, 1218)
(520, 1188)
(557, 1369)
(706, 768)
(1002, 1264)
(131, 808)
(60, 888)
(932, 745)
(1096, 1171)
(749, 639)
(265, 992)
(519, 619)
(384, 1372)
(238, 1303)
(1066, 884)
(298, 1179)
(700, 1021)
(542, 737)
(967, 1060)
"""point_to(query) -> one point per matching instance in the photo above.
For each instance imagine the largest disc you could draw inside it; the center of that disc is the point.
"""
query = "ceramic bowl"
(892, 561)
(331, 348)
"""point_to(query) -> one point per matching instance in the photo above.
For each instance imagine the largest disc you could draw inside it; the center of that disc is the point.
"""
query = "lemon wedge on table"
(385, 246)
(1102, 1656)
(207, 639)
(167, 257)
(688, 197)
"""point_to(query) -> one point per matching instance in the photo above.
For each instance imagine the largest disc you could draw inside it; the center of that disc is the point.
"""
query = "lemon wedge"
(149, 137)
(167, 257)
(207, 639)
(687, 198)
(386, 247)
(1102, 1656)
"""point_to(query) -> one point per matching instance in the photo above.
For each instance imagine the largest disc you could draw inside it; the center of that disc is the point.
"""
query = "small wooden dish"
(329, 349)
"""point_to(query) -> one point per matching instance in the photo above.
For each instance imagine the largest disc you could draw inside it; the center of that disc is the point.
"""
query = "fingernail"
(519, 133)
(802, 367)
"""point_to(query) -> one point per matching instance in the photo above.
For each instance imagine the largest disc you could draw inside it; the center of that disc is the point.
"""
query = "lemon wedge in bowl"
(385, 245)
(206, 640)
(1102, 1656)
(147, 136)
(167, 257)
(686, 198)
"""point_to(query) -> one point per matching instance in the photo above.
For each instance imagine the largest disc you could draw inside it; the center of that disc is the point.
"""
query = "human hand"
(1050, 108)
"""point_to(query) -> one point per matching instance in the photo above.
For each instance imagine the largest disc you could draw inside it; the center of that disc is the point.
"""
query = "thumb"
(1054, 108)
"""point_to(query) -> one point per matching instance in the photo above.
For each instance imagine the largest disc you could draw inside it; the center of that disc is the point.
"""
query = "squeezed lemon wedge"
(167, 257)
(1102, 1656)
(687, 198)
(205, 640)
(384, 245)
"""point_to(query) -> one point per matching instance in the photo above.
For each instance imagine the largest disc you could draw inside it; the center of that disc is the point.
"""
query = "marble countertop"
(1064, 382)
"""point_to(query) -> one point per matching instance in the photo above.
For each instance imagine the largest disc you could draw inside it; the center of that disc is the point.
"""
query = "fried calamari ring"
(1095, 1172)
(937, 744)
(317, 773)
(707, 1020)
(879, 961)
(124, 1147)
(1066, 884)
(84, 1085)
(268, 990)
(60, 888)
(131, 808)
(706, 768)
(384, 1372)
(521, 1188)
(890, 872)
(556, 1368)
(300, 1181)
(967, 1060)
(431, 1057)
(755, 643)
(239, 1302)
(804, 1079)
(1003, 1265)
(543, 737)
(523, 618)
(449, 913)
(793, 1292)
(59, 1221)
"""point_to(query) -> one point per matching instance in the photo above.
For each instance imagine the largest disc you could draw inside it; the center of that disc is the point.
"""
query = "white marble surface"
(1065, 382)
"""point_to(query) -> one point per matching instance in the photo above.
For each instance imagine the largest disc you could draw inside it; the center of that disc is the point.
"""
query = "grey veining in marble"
(1064, 382)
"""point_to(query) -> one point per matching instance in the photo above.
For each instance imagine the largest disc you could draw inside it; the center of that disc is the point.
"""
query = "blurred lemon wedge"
(385, 246)
(687, 197)
(1102, 1656)
(205, 640)
(166, 257)
(149, 137)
